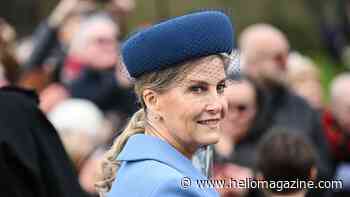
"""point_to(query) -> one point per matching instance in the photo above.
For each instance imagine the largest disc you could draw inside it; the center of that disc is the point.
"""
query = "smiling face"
(241, 98)
(192, 109)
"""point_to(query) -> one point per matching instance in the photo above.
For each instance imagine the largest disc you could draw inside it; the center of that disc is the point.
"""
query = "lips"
(209, 122)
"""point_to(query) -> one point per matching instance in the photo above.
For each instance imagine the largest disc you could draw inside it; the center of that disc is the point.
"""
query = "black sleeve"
(33, 161)
(19, 162)
(20, 176)
(45, 39)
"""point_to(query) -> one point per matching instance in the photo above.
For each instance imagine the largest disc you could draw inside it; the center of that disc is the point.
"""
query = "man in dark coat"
(265, 50)
(33, 162)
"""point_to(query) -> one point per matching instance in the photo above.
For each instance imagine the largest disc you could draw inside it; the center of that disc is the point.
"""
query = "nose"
(214, 108)
(217, 104)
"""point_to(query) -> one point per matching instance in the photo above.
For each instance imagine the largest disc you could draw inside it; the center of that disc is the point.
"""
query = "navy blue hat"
(178, 40)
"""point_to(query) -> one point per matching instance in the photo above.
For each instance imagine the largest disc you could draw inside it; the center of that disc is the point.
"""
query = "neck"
(166, 136)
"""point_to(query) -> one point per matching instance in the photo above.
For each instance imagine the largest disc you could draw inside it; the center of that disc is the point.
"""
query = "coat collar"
(145, 147)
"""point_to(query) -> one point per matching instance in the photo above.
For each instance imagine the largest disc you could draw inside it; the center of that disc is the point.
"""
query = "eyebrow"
(206, 83)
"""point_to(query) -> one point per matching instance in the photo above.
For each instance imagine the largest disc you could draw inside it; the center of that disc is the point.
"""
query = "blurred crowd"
(72, 60)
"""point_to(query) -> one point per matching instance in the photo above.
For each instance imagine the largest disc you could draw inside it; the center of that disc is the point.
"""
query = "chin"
(210, 138)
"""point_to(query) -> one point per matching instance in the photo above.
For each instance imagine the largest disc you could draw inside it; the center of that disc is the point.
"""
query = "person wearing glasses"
(242, 107)
(265, 50)
(179, 74)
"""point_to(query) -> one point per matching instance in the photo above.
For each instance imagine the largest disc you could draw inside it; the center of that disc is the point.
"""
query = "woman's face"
(192, 109)
(241, 109)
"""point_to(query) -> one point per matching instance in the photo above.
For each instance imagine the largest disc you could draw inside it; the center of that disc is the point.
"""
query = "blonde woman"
(178, 66)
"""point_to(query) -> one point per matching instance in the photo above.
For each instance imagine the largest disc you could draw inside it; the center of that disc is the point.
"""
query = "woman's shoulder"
(152, 178)
(152, 170)
(142, 177)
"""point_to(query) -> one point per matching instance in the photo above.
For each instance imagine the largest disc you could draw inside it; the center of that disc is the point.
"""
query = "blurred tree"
(162, 9)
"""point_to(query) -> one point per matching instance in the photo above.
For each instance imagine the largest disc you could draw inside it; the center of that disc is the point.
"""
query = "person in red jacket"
(336, 120)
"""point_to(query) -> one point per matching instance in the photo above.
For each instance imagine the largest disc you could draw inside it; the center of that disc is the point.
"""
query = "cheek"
(89, 53)
(180, 117)
(187, 113)
(174, 110)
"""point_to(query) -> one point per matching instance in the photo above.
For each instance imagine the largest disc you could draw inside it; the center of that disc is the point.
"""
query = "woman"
(179, 74)
(242, 106)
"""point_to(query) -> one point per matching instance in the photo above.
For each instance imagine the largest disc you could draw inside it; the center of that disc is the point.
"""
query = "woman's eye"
(220, 88)
(197, 89)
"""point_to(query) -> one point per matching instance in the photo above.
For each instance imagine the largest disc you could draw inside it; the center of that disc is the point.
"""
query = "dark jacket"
(280, 108)
(102, 88)
(47, 49)
(33, 162)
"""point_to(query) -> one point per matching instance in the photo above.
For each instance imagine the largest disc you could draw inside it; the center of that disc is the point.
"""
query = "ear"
(151, 99)
(313, 173)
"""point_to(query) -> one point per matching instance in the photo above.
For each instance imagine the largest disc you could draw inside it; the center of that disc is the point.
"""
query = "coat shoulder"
(149, 178)
(145, 172)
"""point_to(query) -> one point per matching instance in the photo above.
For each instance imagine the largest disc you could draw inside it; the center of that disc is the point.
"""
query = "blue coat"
(151, 167)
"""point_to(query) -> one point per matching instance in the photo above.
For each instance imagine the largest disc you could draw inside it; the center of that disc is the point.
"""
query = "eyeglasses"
(104, 41)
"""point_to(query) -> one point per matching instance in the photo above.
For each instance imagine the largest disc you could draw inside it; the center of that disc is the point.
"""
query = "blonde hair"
(157, 81)
(300, 69)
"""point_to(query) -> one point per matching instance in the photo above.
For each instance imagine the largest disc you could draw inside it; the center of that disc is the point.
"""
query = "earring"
(156, 117)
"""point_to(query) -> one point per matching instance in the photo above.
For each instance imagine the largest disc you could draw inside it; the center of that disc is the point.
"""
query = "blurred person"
(7, 33)
(340, 103)
(241, 97)
(242, 106)
(304, 79)
(81, 126)
(265, 52)
(24, 48)
(84, 45)
(33, 162)
(49, 43)
(3, 79)
(94, 71)
(53, 36)
(91, 172)
(8, 62)
(229, 172)
(180, 86)
(94, 46)
(336, 121)
(285, 156)
(120, 11)
(52, 96)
